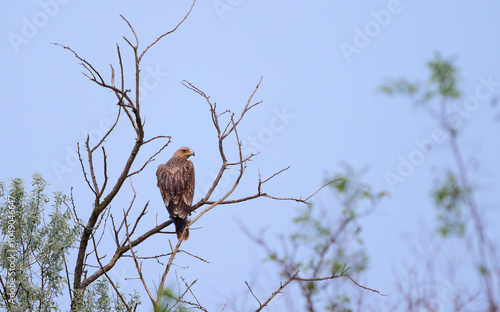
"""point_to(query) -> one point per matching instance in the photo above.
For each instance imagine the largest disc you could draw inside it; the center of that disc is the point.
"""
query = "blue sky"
(320, 108)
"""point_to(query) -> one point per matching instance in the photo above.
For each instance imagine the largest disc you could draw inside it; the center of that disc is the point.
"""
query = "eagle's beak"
(192, 153)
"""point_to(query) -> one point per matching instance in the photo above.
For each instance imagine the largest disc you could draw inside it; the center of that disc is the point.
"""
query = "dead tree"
(129, 104)
(124, 229)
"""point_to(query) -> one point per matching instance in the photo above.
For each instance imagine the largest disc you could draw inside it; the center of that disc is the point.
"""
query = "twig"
(364, 287)
(245, 109)
(167, 269)
(167, 33)
(112, 127)
(275, 174)
(249, 288)
(85, 64)
(152, 157)
(276, 292)
(133, 31)
(137, 266)
(143, 213)
(122, 250)
(83, 168)
(194, 256)
(109, 278)
(67, 278)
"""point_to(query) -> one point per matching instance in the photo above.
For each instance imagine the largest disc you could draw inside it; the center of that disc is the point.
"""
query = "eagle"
(176, 184)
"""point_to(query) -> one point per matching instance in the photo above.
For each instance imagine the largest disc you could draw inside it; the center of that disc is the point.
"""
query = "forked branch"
(226, 124)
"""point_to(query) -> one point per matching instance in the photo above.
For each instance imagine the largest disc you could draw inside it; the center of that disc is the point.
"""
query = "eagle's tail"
(180, 228)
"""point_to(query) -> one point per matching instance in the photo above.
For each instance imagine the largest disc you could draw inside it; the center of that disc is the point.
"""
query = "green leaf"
(448, 199)
(399, 87)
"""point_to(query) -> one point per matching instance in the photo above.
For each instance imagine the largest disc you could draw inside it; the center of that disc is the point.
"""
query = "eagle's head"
(184, 152)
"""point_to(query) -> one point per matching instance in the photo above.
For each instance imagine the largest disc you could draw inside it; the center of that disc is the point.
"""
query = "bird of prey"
(176, 184)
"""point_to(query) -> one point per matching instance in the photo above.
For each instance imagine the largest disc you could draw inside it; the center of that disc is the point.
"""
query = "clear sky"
(322, 62)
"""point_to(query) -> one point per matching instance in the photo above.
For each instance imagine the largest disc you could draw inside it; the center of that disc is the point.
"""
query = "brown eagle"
(176, 184)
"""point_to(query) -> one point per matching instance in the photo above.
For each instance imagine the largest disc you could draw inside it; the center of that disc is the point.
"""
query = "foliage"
(327, 241)
(400, 86)
(437, 97)
(457, 211)
(97, 299)
(441, 84)
(448, 199)
(33, 247)
(171, 303)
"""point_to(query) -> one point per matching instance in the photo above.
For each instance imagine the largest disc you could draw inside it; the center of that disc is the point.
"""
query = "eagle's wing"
(176, 184)
(188, 192)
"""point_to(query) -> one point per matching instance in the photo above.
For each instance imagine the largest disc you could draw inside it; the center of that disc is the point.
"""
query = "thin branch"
(137, 266)
(133, 31)
(124, 220)
(112, 75)
(122, 250)
(243, 199)
(275, 174)
(167, 33)
(105, 169)
(152, 157)
(83, 168)
(67, 278)
(4, 293)
(158, 137)
(121, 69)
(276, 292)
(109, 278)
(155, 257)
(85, 64)
(299, 200)
(194, 256)
(143, 213)
(91, 168)
(167, 269)
(122, 90)
(197, 305)
(245, 109)
(112, 127)
(249, 288)
(115, 237)
(364, 287)
(324, 185)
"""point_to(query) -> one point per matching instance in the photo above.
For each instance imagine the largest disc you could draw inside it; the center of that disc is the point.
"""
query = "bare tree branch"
(120, 295)
(245, 110)
(169, 32)
(277, 291)
(83, 169)
(137, 265)
(152, 156)
(251, 291)
(103, 197)
(91, 168)
(167, 269)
